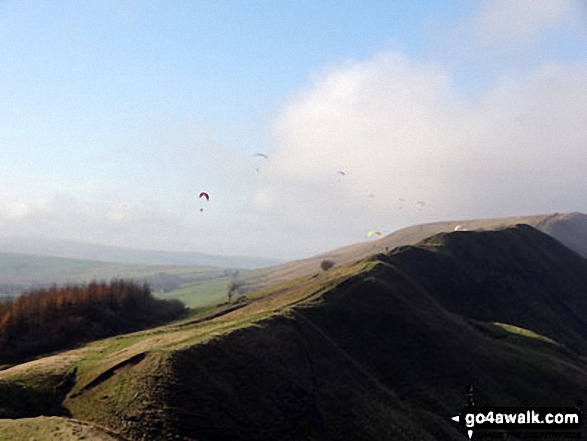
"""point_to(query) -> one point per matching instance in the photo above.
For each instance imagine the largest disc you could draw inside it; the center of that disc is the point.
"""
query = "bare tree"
(234, 289)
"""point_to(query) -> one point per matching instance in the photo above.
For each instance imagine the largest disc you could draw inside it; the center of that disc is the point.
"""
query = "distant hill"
(570, 229)
(111, 254)
(194, 286)
(380, 349)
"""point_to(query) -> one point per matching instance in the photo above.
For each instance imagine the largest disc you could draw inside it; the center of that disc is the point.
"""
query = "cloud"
(66, 216)
(519, 24)
(489, 122)
(400, 131)
(16, 210)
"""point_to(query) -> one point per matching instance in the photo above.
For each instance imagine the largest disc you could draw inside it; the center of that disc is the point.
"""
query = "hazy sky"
(115, 115)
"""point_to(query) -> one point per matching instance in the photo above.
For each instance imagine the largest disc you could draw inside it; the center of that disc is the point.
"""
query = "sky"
(116, 115)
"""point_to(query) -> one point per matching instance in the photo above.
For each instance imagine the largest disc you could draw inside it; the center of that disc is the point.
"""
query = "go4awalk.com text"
(518, 422)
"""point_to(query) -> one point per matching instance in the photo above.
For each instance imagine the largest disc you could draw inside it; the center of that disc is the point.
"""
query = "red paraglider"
(204, 195)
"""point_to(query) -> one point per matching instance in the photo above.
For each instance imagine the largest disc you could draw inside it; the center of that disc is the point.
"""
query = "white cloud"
(403, 130)
(16, 209)
(69, 217)
(521, 23)
(399, 131)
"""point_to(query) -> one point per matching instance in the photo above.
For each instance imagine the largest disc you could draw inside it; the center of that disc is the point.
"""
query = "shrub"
(326, 264)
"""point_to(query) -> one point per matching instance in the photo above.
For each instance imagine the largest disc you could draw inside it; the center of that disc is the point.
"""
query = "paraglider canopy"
(374, 233)
(263, 157)
(206, 196)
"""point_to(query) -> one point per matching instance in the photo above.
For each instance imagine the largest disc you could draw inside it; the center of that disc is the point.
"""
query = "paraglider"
(263, 157)
(420, 204)
(374, 233)
(206, 196)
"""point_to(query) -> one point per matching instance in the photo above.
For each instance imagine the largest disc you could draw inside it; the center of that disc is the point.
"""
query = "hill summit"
(568, 228)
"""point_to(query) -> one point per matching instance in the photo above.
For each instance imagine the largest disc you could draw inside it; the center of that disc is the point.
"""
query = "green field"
(200, 293)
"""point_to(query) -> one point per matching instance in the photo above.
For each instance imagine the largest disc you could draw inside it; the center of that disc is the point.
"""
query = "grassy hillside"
(197, 294)
(543, 294)
(376, 350)
(56, 428)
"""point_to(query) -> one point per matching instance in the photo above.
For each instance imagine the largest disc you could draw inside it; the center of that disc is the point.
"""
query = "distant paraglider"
(260, 155)
(420, 204)
(370, 234)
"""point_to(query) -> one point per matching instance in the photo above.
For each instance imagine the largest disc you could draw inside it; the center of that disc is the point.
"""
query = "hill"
(195, 286)
(120, 255)
(380, 349)
(570, 229)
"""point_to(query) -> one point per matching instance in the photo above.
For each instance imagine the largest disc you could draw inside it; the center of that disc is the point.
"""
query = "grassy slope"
(542, 280)
(197, 294)
(363, 351)
(54, 428)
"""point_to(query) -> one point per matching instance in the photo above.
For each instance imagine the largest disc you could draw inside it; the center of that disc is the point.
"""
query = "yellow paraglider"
(370, 234)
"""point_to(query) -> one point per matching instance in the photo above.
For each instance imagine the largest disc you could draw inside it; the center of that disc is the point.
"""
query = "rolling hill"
(378, 349)
(194, 286)
(129, 256)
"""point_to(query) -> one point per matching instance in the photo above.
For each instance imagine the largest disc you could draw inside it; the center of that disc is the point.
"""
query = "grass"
(524, 332)
(53, 428)
(197, 294)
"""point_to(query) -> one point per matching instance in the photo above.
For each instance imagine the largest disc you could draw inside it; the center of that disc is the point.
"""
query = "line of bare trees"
(55, 318)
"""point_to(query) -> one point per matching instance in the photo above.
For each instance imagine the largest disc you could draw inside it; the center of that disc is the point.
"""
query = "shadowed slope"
(377, 358)
(517, 276)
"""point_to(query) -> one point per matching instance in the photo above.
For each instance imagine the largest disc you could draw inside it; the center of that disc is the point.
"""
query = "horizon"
(8, 245)
(118, 114)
